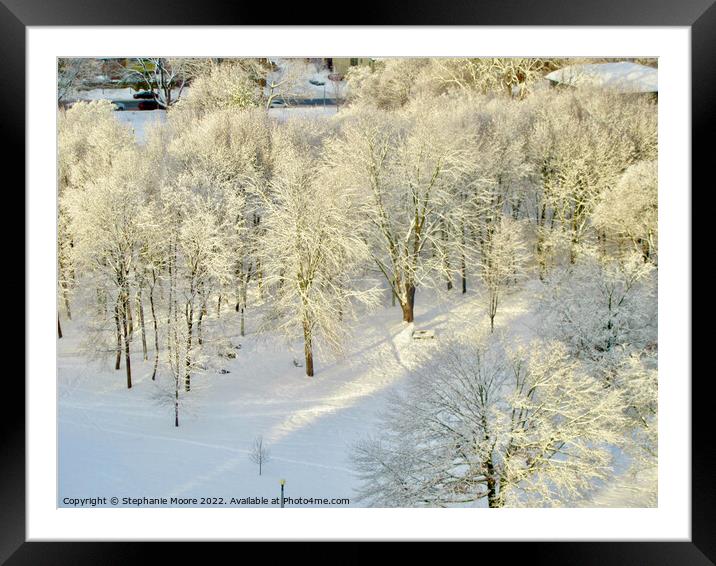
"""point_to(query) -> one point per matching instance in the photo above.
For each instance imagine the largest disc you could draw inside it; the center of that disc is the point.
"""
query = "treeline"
(470, 185)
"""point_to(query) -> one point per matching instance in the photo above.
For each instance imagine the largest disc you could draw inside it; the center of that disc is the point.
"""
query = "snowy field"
(123, 443)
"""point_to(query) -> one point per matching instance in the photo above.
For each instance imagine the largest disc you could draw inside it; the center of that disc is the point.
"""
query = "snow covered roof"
(623, 76)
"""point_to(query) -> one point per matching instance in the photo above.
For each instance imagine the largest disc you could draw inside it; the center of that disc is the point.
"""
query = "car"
(145, 95)
(119, 106)
(148, 105)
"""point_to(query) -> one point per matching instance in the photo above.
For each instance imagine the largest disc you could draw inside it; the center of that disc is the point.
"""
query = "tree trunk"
(243, 307)
(59, 328)
(492, 499)
(156, 334)
(118, 358)
(541, 259)
(448, 275)
(463, 273)
(308, 348)
(189, 327)
(125, 329)
(408, 304)
(66, 298)
(128, 315)
(463, 260)
(140, 307)
(493, 311)
(260, 279)
(176, 400)
(645, 249)
(202, 312)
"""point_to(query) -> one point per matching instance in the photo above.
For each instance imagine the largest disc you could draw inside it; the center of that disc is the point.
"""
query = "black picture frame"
(699, 15)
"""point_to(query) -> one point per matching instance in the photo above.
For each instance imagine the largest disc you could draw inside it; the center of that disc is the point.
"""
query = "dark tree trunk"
(409, 303)
(189, 327)
(59, 327)
(200, 337)
(125, 329)
(540, 243)
(463, 261)
(308, 348)
(118, 357)
(492, 500)
(242, 300)
(128, 315)
(463, 274)
(156, 334)
(140, 308)
(492, 496)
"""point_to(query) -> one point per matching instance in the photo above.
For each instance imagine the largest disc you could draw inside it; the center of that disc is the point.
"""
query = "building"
(340, 65)
(623, 77)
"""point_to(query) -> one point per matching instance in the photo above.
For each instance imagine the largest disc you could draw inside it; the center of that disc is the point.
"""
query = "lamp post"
(282, 482)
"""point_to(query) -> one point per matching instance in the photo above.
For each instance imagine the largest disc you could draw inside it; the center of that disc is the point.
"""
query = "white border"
(671, 521)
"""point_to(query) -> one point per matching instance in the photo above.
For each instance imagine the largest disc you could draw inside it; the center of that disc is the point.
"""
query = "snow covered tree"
(582, 143)
(628, 211)
(230, 150)
(599, 304)
(514, 76)
(502, 262)
(104, 222)
(166, 77)
(88, 139)
(73, 74)
(387, 84)
(230, 84)
(636, 377)
(203, 263)
(479, 422)
(259, 454)
(308, 247)
(285, 80)
(152, 261)
(403, 170)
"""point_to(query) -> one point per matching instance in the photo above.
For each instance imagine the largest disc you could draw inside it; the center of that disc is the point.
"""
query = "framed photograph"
(422, 278)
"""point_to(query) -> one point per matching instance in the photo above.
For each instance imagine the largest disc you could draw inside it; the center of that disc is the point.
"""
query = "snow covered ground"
(115, 442)
(140, 119)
